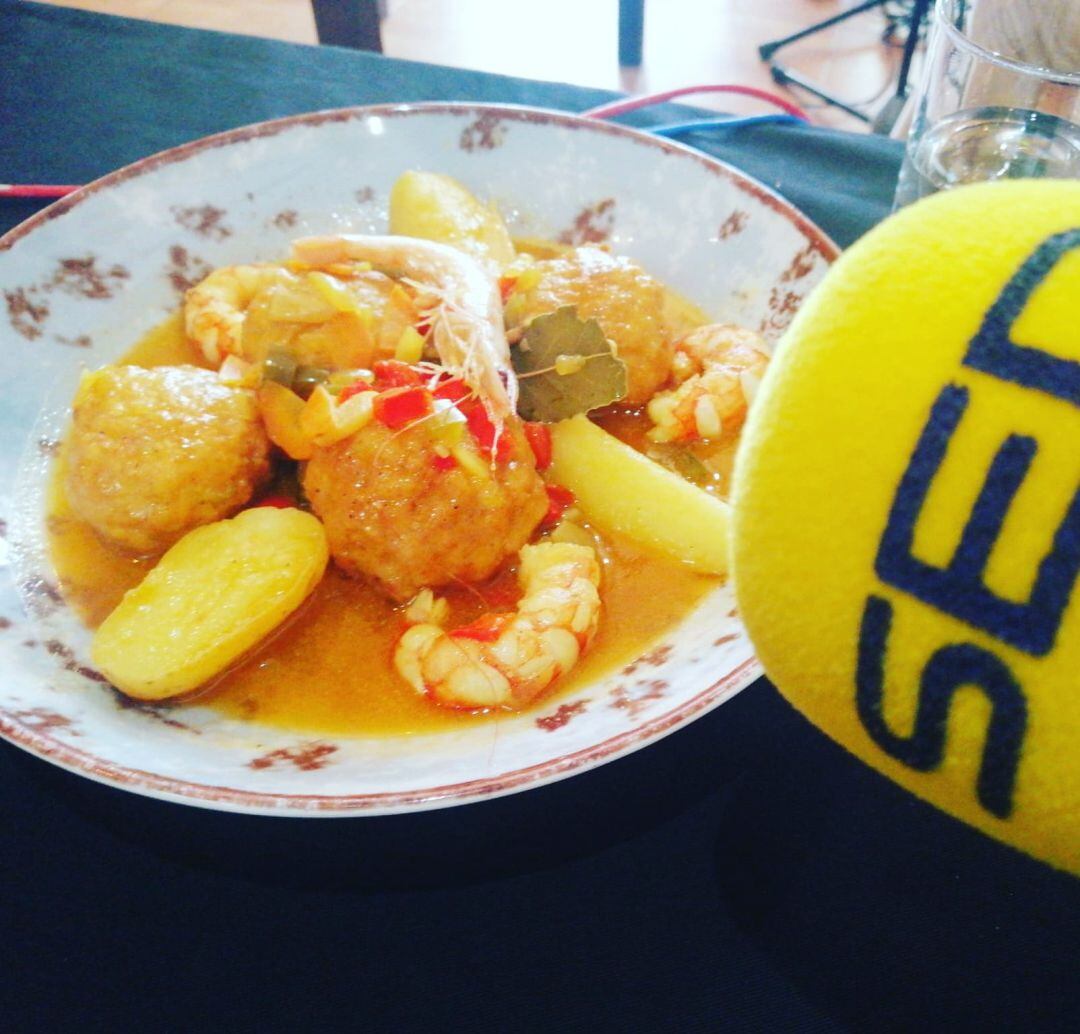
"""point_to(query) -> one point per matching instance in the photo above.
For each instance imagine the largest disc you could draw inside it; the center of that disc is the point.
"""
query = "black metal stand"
(766, 50)
(784, 76)
(349, 23)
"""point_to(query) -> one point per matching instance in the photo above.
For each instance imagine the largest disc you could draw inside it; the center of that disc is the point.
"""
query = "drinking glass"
(999, 97)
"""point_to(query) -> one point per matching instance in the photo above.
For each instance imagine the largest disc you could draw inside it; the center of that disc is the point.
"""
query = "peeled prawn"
(466, 316)
(718, 368)
(214, 309)
(508, 659)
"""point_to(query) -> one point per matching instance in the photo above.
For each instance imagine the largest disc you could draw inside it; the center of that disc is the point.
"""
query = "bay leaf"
(553, 342)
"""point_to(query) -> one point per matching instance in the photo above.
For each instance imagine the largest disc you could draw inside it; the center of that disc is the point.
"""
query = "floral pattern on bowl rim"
(84, 279)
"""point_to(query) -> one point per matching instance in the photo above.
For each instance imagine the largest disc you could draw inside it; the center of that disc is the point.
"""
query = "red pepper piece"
(393, 373)
(483, 430)
(453, 389)
(506, 287)
(559, 501)
(356, 388)
(443, 462)
(401, 406)
(539, 438)
(504, 451)
(485, 629)
(278, 502)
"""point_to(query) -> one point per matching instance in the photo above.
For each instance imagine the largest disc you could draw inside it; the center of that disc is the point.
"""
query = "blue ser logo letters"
(959, 589)
(949, 668)
(994, 352)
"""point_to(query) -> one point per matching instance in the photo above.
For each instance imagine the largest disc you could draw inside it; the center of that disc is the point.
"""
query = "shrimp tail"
(465, 313)
(509, 659)
(717, 368)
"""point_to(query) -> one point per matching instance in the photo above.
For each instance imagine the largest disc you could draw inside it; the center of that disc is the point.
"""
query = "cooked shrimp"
(214, 309)
(508, 659)
(465, 311)
(334, 318)
(719, 367)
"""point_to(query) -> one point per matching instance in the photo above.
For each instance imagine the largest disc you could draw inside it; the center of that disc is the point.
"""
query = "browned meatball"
(626, 302)
(156, 452)
(393, 512)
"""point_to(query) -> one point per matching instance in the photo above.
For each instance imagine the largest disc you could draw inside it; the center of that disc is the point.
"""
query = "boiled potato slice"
(219, 591)
(438, 208)
(623, 491)
(541, 247)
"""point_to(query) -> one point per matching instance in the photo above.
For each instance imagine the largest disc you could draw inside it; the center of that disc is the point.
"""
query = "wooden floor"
(686, 41)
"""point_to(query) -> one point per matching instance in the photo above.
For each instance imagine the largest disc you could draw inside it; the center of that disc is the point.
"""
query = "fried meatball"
(156, 452)
(396, 514)
(626, 302)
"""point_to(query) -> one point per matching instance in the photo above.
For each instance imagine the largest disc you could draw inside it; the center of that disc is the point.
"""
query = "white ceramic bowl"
(84, 279)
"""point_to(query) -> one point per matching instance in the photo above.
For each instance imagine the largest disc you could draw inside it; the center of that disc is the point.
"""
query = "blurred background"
(684, 41)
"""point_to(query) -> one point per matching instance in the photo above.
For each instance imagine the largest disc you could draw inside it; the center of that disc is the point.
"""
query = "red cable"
(34, 190)
(620, 107)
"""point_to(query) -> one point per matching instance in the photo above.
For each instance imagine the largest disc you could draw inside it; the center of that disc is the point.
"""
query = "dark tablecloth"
(743, 874)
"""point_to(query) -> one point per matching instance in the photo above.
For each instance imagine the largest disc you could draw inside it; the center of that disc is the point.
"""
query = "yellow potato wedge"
(540, 247)
(621, 490)
(681, 315)
(281, 410)
(212, 597)
(438, 208)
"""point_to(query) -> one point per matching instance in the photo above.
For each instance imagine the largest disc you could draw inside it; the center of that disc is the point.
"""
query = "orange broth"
(329, 669)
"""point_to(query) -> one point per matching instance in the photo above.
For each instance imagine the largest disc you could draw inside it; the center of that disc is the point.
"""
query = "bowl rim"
(254, 802)
(519, 112)
(231, 799)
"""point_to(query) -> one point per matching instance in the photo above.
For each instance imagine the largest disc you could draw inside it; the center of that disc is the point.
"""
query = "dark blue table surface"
(743, 874)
